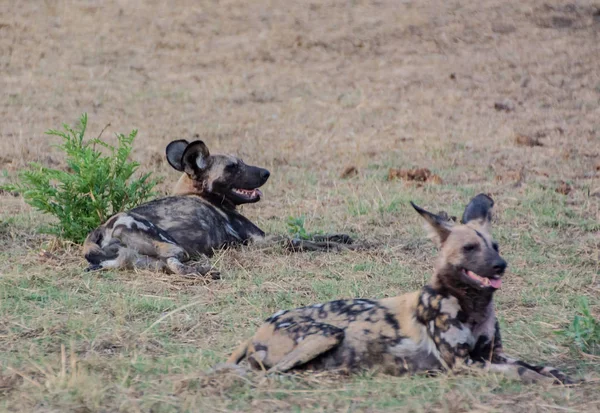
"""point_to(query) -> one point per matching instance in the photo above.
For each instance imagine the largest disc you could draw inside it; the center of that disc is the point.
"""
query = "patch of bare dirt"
(349, 172)
(415, 175)
(526, 140)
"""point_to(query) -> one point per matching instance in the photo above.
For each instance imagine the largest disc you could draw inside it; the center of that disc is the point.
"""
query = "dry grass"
(307, 90)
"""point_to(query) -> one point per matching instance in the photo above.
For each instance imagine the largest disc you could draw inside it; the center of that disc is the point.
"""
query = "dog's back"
(196, 223)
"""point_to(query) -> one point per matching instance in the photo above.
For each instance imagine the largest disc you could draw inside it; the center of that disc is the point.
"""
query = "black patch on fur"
(391, 320)
(111, 221)
(480, 235)
(482, 350)
(99, 255)
(275, 318)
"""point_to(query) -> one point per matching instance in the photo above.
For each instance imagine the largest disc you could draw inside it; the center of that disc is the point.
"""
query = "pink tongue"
(257, 191)
(496, 283)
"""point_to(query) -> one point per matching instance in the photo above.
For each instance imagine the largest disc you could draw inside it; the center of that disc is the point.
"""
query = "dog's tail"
(239, 354)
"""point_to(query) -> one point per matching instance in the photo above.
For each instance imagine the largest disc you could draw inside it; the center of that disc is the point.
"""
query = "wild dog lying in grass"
(201, 216)
(450, 323)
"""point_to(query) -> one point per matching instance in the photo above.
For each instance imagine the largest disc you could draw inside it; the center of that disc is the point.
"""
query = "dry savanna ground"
(491, 96)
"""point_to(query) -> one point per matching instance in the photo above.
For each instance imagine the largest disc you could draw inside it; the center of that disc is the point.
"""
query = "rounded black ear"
(195, 157)
(175, 152)
(480, 208)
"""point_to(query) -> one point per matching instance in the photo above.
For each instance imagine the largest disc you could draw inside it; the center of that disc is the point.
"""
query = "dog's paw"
(562, 378)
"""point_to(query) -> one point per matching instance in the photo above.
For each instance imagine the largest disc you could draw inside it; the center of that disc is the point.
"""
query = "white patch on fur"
(128, 221)
(488, 326)
(278, 313)
(125, 258)
(455, 336)
(316, 306)
(256, 238)
(229, 229)
(284, 325)
(365, 304)
(110, 264)
(450, 306)
(408, 348)
(201, 162)
(165, 239)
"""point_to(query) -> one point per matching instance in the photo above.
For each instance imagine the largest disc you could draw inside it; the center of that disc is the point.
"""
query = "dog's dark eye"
(232, 167)
(495, 247)
(470, 247)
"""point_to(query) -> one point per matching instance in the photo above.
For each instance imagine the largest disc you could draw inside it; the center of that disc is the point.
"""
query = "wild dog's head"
(223, 177)
(469, 257)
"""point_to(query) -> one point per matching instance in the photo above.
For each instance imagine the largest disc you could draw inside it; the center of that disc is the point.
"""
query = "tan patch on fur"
(278, 345)
(91, 248)
(441, 322)
(404, 309)
(185, 185)
(164, 249)
(481, 225)
(452, 250)
(435, 302)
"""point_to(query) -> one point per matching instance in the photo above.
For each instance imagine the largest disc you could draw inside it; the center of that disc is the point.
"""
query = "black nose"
(264, 174)
(500, 265)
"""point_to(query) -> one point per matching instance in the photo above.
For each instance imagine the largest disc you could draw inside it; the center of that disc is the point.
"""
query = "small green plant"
(584, 331)
(94, 186)
(296, 228)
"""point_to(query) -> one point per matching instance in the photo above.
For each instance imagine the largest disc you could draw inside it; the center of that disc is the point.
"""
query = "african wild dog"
(201, 216)
(448, 324)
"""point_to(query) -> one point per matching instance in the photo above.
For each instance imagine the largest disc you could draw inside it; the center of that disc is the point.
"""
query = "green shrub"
(584, 331)
(94, 186)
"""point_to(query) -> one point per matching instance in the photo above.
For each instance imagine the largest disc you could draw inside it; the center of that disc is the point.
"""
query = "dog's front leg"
(550, 373)
(512, 371)
(322, 243)
(296, 244)
(502, 360)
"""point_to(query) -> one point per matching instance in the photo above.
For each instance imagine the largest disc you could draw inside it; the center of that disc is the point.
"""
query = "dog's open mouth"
(494, 283)
(250, 194)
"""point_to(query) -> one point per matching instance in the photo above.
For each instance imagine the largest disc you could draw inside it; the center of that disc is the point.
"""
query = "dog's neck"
(474, 302)
(187, 186)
